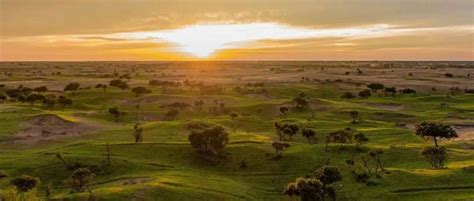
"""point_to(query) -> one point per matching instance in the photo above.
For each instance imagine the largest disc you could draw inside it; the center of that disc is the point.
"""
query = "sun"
(204, 40)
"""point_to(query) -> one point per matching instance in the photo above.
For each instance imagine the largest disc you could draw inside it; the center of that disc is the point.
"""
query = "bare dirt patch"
(51, 127)
(465, 132)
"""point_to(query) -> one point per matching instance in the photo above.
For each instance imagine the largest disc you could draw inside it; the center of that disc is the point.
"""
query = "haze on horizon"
(56, 30)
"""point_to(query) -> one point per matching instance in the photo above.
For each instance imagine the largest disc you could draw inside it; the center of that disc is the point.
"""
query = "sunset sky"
(32, 30)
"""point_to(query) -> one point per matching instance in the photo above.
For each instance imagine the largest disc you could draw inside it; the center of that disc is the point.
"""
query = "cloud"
(203, 40)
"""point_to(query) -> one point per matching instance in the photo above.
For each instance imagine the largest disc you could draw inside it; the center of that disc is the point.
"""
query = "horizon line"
(263, 60)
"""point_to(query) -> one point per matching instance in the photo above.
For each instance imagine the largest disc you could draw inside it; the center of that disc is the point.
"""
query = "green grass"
(171, 170)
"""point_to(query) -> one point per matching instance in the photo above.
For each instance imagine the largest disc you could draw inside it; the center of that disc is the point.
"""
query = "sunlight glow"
(204, 40)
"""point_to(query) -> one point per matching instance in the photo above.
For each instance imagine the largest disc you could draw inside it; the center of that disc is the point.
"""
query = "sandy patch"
(50, 127)
(465, 132)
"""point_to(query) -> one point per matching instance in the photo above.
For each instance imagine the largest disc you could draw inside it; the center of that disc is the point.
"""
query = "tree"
(73, 86)
(448, 75)
(435, 155)
(209, 141)
(286, 129)
(328, 175)
(2, 98)
(63, 101)
(234, 116)
(377, 156)
(279, 147)
(317, 187)
(80, 179)
(138, 133)
(60, 157)
(355, 117)
(343, 136)
(309, 134)
(436, 131)
(283, 110)
(140, 91)
(13, 93)
(365, 93)
(390, 91)
(308, 189)
(25, 183)
(360, 139)
(375, 87)
(348, 95)
(114, 111)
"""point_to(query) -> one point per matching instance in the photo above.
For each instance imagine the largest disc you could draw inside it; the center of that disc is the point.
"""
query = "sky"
(164, 30)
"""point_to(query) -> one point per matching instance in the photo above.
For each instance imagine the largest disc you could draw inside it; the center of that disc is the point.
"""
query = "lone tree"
(435, 155)
(355, 117)
(209, 141)
(283, 110)
(80, 179)
(309, 134)
(279, 147)
(140, 91)
(73, 87)
(436, 131)
(25, 183)
(138, 133)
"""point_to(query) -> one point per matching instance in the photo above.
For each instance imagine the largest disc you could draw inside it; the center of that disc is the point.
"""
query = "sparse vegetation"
(219, 133)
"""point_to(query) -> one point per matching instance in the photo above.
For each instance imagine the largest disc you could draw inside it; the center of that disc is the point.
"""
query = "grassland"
(165, 167)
